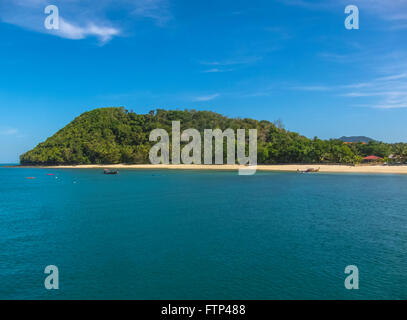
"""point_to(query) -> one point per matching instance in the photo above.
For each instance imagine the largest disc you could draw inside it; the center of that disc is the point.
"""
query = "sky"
(288, 60)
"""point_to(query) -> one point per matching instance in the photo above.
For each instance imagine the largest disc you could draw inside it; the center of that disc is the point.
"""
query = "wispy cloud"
(80, 19)
(9, 132)
(312, 88)
(340, 58)
(389, 92)
(213, 70)
(229, 64)
(157, 10)
(393, 77)
(395, 11)
(207, 97)
(384, 88)
(71, 31)
(385, 92)
(217, 70)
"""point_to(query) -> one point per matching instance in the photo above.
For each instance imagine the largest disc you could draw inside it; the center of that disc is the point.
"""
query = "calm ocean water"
(201, 235)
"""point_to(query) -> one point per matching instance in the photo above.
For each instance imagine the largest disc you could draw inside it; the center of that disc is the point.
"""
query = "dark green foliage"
(115, 135)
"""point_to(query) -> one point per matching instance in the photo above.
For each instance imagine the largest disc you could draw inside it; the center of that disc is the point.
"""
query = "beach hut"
(372, 159)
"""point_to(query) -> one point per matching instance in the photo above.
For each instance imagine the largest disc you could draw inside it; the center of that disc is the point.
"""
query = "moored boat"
(108, 171)
(310, 170)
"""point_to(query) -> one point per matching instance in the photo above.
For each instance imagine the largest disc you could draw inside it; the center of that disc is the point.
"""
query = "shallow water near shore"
(168, 234)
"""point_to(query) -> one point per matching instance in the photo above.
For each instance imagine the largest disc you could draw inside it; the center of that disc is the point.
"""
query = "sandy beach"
(287, 168)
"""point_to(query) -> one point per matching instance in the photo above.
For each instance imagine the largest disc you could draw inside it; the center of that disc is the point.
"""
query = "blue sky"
(292, 60)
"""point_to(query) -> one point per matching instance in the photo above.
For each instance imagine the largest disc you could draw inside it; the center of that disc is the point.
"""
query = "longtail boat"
(108, 171)
(310, 170)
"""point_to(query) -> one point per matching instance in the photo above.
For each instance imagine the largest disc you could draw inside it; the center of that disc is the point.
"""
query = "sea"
(173, 234)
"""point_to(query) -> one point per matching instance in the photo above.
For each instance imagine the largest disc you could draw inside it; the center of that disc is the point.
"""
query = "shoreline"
(324, 168)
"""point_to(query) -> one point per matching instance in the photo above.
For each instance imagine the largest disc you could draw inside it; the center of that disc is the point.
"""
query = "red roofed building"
(372, 159)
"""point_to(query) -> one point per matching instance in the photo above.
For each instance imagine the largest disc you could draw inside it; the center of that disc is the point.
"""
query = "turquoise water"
(201, 235)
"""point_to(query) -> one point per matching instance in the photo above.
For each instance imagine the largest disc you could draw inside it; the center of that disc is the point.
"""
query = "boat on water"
(108, 171)
(310, 170)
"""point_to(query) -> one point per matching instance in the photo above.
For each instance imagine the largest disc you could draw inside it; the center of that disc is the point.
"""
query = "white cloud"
(80, 19)
(382, 92)
(213, 70)
(390, 92)
(8, 132)
(157, 10)
(207, 97)
(393, 77)
(71, 31)
(231, 62)
(356, 85)
(312, 88)
(217, 70)
(394, 11)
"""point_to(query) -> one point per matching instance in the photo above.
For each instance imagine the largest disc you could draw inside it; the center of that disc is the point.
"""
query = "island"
(112, 137)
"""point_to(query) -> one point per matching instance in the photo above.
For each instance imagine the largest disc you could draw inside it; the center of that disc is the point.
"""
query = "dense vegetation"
(115, 135)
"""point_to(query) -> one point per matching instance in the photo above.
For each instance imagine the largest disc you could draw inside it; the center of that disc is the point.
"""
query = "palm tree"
(400, 151)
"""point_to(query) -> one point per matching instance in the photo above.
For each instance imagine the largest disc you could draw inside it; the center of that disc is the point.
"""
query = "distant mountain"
(356, 139)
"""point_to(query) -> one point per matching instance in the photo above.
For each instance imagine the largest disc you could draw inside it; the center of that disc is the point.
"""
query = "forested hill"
(115, 135)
